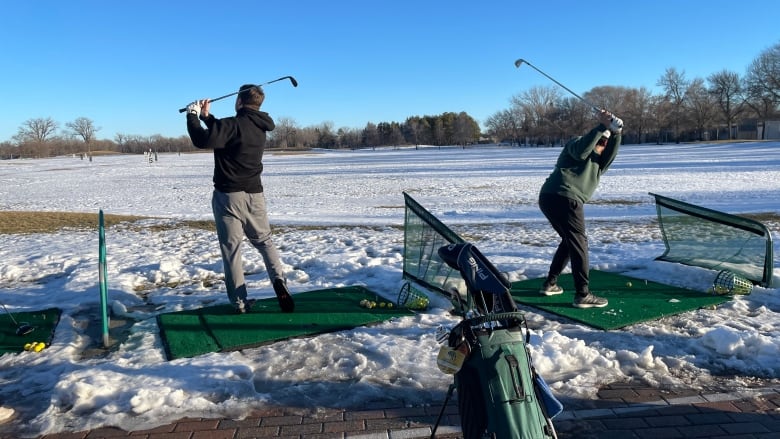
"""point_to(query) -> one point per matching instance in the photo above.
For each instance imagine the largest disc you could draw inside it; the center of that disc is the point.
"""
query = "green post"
(103, 276)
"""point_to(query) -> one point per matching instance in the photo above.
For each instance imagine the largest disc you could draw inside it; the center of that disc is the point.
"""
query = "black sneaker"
(550, 290)
(283, 295)
(590, 301)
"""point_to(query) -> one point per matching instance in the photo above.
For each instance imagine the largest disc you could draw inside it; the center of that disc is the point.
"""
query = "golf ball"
(629, 284)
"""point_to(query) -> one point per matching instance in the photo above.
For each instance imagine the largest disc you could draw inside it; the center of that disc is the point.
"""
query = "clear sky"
(129, 66)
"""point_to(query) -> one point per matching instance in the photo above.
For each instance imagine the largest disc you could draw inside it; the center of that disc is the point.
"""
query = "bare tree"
(503, 125)
(636, 112)
(539, 105)
(84, 128)
(609, 97)
(675, 87)
(726, 89)
(285, 133)
(36, 130)
(762, 84)
(764, 72)
(577, 116)
(700, 106)
(660, 114)
(8, 150)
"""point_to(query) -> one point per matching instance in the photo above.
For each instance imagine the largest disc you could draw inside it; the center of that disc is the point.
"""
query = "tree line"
(42, 137)
(725, 105)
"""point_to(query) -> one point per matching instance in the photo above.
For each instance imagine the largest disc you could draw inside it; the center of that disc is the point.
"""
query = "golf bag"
(500, 395)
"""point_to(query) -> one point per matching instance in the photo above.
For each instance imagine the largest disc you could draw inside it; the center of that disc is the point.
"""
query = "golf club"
(521, 61)
(23, 328)
(292, 81)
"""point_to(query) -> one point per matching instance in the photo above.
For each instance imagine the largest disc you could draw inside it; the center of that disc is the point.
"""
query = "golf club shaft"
(292, 81)
(522, 61)
(9, 314)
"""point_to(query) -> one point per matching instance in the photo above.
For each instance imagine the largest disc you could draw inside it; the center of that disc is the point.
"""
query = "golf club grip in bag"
(497, 388)
(488, 289)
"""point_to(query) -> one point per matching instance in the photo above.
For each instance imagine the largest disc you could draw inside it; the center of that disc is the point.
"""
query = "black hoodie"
(238, 143)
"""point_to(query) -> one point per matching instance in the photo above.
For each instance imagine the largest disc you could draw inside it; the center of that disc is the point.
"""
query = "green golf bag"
(500, 395)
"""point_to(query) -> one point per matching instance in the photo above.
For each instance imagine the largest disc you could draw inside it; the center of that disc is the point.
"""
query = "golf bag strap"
(514, 367)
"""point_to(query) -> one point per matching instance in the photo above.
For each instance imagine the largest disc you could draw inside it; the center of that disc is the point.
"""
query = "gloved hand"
(605, 117)
(194, 108)
(616, 124)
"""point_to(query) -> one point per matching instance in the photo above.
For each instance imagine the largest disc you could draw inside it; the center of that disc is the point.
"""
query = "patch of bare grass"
(49, 222)
(15, 222)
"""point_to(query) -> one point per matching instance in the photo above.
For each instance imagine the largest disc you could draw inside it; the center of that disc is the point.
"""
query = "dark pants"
(567, 217)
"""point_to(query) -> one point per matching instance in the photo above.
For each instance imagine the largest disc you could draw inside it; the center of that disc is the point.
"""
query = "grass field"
(49, 222)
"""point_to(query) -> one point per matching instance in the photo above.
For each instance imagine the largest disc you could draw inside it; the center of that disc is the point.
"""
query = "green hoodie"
(579, 168)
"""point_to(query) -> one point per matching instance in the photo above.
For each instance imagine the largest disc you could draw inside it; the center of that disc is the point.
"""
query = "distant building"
(771, 130)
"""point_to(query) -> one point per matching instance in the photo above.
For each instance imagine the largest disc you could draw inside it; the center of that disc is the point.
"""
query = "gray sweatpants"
(239, 214)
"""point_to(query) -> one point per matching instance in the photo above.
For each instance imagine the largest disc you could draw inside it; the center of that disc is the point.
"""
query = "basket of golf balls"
(412, 298)
(727, 282)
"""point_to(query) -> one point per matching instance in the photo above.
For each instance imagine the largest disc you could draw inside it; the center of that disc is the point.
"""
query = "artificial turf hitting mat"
(41, 322)
(631, 300)
(218, 328)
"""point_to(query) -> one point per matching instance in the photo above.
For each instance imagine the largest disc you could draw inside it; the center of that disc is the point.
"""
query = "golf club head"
(24, 329)
(292, 81)
(518, 62)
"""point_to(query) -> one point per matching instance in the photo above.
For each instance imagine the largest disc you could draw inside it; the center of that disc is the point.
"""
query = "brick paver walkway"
(621, 411)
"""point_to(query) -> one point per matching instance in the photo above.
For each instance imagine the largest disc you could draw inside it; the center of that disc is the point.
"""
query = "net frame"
(423, 235)
(702, 237)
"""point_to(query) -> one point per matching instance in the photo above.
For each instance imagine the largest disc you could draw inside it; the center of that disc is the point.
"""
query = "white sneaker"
(6, 413)
(550, 290)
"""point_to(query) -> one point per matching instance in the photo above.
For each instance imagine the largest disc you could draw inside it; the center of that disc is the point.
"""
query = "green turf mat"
(219, 328)
(640, 302)
(44, 322)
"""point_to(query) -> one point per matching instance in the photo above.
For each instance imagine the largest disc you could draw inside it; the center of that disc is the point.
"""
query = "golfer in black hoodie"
(238, 201)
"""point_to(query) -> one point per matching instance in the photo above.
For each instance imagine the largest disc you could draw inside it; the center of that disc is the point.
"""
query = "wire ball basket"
(727, 282)
(410, 297)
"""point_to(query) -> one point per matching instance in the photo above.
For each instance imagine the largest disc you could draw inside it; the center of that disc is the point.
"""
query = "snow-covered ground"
(339, 217)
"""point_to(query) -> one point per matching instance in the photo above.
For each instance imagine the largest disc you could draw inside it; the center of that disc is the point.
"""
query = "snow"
(338, 217)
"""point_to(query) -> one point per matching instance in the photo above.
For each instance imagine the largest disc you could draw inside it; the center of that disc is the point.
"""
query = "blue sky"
(129, 66)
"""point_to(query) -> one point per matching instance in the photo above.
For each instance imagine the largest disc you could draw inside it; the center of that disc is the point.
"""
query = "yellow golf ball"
(38, 347)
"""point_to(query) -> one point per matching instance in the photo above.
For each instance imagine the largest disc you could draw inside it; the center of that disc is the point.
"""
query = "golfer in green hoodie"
(562, 197)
